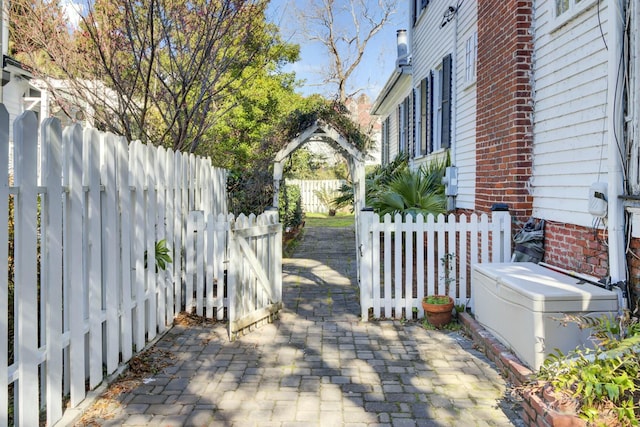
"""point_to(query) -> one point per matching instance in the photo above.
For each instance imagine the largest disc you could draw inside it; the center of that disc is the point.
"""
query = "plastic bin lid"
(542, 289)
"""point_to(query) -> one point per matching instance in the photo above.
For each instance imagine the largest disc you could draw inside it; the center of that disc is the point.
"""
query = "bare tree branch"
(344, 29)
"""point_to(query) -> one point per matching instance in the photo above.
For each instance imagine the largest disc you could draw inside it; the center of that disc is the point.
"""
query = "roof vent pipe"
(402, 43)
(403, 49)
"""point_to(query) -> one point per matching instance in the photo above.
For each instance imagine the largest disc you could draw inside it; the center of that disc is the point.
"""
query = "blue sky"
(373, 71)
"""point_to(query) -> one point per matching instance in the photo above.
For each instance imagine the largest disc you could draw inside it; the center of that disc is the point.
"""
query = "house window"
(434, 129)
(403, 126)
(565, 10)
(470, 58)
(563, 6)
(417, 6)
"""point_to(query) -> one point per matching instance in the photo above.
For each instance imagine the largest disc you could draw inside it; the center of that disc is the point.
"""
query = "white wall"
(570, 84)
(431, 43)
(395, 91)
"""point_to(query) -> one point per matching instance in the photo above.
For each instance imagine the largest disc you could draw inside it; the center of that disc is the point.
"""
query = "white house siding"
(464, 121)
(395, 91)
(570, 84)
(431, 43)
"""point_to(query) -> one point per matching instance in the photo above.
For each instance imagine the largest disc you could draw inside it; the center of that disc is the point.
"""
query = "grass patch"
(324, 220)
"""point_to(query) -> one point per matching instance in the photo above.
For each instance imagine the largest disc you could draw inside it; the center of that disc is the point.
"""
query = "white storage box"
(519, 302)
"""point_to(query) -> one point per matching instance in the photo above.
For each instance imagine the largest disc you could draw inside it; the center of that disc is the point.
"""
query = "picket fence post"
(366, 253)
(25, 133)
(4, 263)
(52, 256)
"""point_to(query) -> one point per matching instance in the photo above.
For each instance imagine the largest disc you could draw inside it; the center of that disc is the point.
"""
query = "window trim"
(576, 8)
(471, 59)
(417, 9)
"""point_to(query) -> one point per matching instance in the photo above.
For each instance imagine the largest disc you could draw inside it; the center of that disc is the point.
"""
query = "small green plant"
(451, 326)
(436, 299)
(447, 261)
(604, 379)
(327, 198)
(290, 210)
(163, 256)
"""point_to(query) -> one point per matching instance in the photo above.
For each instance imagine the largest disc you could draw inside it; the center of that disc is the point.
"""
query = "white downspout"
(615, 103)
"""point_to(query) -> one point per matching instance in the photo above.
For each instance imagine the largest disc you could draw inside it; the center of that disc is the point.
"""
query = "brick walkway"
(318, 365)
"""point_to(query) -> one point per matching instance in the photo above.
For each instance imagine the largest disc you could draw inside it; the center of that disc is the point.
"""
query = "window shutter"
(412, 125)
(387, 135)
(446, 101)
(399, 130)
(423, 115)
(429, 120)
(405, 124)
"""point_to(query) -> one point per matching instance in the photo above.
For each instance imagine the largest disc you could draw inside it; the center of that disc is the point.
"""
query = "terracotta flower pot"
(438, 315)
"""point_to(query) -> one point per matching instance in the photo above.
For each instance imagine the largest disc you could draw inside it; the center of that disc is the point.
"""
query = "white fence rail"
(88, 210)
(405, 259)
(308, 191)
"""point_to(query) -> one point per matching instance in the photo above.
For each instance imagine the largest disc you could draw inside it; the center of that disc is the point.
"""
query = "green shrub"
(290, 209)
(604, 380)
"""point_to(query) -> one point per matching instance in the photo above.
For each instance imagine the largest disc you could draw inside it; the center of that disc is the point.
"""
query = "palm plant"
(413, 192)
(375, 181)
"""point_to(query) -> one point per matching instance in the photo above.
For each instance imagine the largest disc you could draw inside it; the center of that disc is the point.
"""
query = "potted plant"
(438, 309)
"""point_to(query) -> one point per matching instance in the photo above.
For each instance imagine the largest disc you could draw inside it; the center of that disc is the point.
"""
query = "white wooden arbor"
(321, 131)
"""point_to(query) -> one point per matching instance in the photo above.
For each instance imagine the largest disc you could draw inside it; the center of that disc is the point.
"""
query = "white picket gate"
(402, 260)
(88, 210)
(234, 264)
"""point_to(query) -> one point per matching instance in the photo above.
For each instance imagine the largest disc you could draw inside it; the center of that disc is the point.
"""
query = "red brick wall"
(576, 248)
(634, 269)
(503, 123)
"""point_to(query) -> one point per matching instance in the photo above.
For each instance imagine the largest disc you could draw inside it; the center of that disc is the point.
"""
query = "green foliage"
(327, 198)
(168, 73)
(396, 189)
(290, 206)
(324, 220)
(317, 108)
(375, 180)
(163, 255)
(604, 378)
(436, 299)
(303, 164)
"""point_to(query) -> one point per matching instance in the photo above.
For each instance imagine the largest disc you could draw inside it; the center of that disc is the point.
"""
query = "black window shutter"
(414, 12)
(430, 112)
(412, 125)
(405, 124)
(399, 130)
(446, 101)
(387, 135)
(423, 115)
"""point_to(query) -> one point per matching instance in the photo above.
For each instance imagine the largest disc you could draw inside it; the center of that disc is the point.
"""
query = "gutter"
(386, 90)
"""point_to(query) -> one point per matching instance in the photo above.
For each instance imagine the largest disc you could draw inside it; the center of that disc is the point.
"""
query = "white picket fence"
(402, 260)
(88, 211)
(308, 191)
